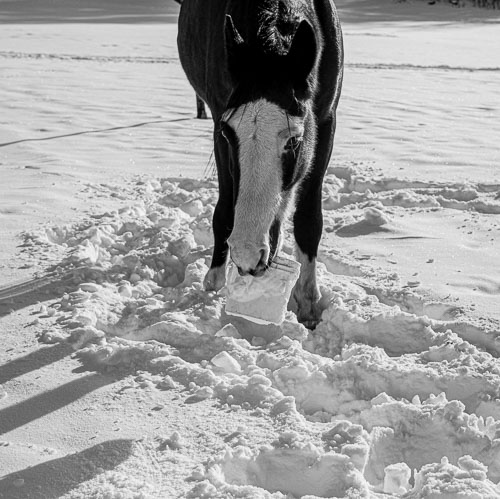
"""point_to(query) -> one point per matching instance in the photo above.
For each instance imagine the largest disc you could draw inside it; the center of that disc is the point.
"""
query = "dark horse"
(271, 73)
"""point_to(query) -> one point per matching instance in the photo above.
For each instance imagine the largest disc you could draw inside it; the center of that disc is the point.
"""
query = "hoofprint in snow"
(393, 394)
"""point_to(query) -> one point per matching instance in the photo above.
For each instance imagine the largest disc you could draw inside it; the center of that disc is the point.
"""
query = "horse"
(271, 73)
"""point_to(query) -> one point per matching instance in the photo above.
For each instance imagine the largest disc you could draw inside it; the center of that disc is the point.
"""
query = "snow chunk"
(90, 287)
(174, 330)
(228, 331)
(194, 274)
(84, 335)
(202, 490)
(174, 442)
(226, 363)
(192, 208)
(202, 233)
(182, 247)
(375, 216)
(397, 477)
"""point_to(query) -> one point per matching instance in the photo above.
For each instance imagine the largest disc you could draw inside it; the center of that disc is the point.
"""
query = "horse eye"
(293, 143)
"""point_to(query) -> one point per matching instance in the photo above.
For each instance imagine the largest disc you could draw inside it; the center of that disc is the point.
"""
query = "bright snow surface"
(122, 378)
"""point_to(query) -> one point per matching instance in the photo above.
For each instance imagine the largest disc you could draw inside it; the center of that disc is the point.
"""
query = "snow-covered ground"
(121, 378)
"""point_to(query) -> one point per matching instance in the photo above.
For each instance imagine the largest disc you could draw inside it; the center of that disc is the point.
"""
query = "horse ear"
(234, 45)
(232, 35)
(302, 54)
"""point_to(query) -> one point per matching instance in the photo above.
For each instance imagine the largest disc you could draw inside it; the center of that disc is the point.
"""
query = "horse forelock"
(263, 66)
(277, 23)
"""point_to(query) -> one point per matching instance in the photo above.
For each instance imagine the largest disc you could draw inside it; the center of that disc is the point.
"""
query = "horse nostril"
(263, 258)
(242, 272)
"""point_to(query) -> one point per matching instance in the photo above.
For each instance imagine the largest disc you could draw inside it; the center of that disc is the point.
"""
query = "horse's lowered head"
(270, 131)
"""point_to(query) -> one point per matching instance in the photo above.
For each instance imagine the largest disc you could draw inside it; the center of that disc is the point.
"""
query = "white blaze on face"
(262, 129)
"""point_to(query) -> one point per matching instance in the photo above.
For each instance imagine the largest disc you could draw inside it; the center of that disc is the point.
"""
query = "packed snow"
(123, 378)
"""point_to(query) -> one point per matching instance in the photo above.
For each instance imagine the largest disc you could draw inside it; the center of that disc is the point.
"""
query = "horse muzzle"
(249, 258)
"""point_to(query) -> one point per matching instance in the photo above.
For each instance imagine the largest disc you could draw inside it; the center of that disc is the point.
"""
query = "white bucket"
(264, 299)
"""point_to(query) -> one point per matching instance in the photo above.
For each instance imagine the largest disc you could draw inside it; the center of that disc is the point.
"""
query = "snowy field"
(120, 378)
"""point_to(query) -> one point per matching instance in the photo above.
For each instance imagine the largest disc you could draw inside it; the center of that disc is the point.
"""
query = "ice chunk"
(262, 299)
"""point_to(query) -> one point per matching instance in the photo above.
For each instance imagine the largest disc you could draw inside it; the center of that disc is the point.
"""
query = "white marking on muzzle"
(259, 126)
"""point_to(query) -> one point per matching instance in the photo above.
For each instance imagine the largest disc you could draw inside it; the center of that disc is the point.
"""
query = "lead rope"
(210, 171)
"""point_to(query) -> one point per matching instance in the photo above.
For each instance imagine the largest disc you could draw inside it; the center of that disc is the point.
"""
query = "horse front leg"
(307, 229)
(223, 219)
(308, 225)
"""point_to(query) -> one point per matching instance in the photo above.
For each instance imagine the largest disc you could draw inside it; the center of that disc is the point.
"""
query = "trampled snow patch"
(390, 394)
(294, 468)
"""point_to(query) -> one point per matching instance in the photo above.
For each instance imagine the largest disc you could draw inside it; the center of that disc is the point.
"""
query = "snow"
(122, 378)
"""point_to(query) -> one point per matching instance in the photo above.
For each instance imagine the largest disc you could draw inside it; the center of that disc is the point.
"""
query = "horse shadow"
(59, 476)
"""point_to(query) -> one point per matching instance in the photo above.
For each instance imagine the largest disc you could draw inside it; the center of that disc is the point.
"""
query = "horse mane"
(278, 21)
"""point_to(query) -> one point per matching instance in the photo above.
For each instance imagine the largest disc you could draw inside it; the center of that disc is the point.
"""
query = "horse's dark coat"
(290, 53)
(203, 54)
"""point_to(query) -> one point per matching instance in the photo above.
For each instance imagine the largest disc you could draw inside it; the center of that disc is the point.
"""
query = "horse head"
(269, 131)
